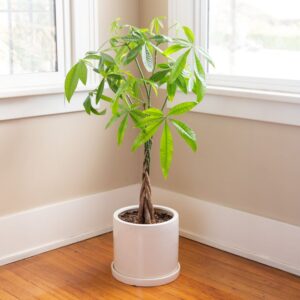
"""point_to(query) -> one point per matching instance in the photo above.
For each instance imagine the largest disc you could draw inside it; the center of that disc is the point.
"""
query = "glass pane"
(20, 4)
(42, 5)
(4, 45)
(257, 38)
(3, 4)
(28, 37)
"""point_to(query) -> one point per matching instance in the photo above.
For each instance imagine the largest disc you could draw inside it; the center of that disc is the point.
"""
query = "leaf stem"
(164, 104)
(142, 75)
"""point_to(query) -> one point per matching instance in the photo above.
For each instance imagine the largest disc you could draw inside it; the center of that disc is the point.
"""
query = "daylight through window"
(27, 37)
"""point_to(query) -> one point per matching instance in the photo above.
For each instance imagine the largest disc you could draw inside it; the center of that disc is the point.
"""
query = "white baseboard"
(38, 230)
(49, 227)
(261, 239)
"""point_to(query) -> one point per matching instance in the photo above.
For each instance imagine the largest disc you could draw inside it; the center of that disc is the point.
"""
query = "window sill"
(282, 108)
(37, 91)
(254, 94)
(42, 101)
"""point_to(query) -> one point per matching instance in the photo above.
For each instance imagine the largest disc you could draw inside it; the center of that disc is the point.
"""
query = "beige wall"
(54, 158)
(247, 165)
(49, 159)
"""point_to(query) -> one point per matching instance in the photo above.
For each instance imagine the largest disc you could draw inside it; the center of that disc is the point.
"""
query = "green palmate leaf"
(130, 38)
(199, 89)
(164, 66)
(158, 76)
(206, 55)
(87, 105)
(93, 56)
(115, 106)
(121, 90)
(153, 112)
(113, 119)
(166, 150)
(98, 113)
(136, 116)
(156, 48)
(186, 133)
(101, 64)
(189, 34)
(199, 71)
(108, 60)
(147, 121)
(172, 49)
(106, 98)
(122, 129)
(147, 58)
(120, 55)
(178, 66)
(145, 135)
(160, 38)
(100, 91)
(156, 24)
(181, 108)
(171, 89)
(182, 83)
(132, 54)
(77, 72)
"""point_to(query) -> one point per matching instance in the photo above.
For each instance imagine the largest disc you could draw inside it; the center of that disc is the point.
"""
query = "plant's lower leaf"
(205, 55)
(199, 71)
(182, 83)
(87, 104)
(122, 129)
(148, 121)
(166, 150)
(153, 112)
(199, 89)
(178, 66)
(97, 112)
(182, 108)
(171, 89)
(186, 133)
(100, 91)
(145, 135)
(77, 72)
(172, 49)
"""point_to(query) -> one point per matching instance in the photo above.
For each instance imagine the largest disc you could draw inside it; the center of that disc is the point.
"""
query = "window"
(254, 43)
(30, 48)
(32, 45)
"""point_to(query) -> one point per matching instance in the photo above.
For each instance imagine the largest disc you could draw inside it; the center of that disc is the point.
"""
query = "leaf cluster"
(181, 70)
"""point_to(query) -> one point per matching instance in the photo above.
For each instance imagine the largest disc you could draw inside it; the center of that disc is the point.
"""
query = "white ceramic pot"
(146, 255)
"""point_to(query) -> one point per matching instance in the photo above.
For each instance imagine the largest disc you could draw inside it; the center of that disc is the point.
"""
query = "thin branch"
(165, 102)
(142, 75)
(127, 96)
(154, 67)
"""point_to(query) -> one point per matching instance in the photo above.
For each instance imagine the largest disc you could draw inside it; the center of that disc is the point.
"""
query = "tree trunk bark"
(146, 209)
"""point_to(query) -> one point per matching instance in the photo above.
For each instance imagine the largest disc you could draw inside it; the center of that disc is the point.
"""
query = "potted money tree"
(145, 235)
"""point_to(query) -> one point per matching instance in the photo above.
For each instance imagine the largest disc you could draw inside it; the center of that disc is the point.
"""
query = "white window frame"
(241, 82)
(43, 94)
(15, 83)
(251, 98)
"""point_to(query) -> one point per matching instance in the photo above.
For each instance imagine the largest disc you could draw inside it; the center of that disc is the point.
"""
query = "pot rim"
(168, 209)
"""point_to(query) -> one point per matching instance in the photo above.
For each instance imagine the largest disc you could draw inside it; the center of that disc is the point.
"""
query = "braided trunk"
(146, 209)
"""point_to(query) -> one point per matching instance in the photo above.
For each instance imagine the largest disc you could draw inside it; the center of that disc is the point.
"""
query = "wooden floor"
(82, 271)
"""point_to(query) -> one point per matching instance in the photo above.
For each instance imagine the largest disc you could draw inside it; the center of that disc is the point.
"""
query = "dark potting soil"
(131, 216)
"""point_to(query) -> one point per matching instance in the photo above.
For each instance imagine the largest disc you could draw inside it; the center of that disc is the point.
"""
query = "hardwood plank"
(82, 271)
